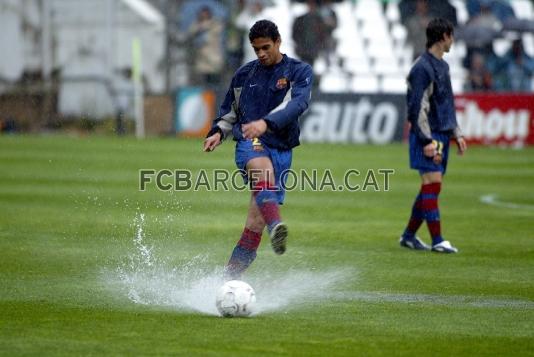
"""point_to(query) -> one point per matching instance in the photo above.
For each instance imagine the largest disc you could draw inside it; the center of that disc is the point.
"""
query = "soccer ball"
(235, 298)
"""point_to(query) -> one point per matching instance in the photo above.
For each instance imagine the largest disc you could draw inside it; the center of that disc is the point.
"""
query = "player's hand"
(462, 145)
(212, 142)
(254, 129)
(437, 159)
(430, 150)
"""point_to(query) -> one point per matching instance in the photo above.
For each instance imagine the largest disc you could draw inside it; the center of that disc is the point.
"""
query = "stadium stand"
(373, 52)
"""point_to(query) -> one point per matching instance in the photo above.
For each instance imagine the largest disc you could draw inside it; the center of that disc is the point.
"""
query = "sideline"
(493, 201)
(449, 300)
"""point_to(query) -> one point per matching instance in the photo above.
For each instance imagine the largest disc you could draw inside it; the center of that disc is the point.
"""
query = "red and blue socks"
(426, 208)
(416, 219)
(267, 202)
(431, 210)
(244, 254)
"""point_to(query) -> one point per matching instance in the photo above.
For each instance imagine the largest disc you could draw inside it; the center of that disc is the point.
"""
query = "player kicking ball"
(432, 116)
(261, 110)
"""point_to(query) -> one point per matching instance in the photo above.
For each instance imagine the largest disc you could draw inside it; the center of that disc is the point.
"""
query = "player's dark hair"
(436, 30)
(264, 28)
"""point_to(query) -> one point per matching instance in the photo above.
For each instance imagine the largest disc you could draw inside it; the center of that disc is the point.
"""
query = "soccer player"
(432, 116)
(261, 110)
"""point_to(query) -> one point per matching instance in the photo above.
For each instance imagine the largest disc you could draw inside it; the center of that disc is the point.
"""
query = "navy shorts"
(418, 160)
(246, 150)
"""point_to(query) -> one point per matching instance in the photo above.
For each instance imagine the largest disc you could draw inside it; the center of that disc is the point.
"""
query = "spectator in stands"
(485, 17)
(309, 33)
(479, 77)
(416, 26)
(444, 9)
(516, 69)
(330, 21)
(235, 44)
(501, 9)
(437, 8)
(206, 44)
(479, 33)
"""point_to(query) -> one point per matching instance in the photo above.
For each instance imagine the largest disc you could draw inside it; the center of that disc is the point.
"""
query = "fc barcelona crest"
(281, 83)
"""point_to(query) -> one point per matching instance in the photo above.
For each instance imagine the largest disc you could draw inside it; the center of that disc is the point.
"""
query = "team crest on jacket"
(281, 83)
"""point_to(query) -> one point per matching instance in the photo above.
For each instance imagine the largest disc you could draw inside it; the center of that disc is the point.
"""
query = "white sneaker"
(444, 247)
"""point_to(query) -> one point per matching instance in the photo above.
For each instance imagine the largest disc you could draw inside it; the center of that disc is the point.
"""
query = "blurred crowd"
(487, 70)
(488, 20)
(217, 44)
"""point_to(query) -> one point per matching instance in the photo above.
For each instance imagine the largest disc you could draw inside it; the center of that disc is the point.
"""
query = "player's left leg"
(244, 252)
(417, 161)
(261, 172)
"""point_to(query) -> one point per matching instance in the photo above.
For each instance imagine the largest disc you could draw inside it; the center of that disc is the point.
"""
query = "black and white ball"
(235, 299)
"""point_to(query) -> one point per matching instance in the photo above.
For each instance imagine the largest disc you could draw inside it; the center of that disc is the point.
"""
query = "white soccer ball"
(235, 298)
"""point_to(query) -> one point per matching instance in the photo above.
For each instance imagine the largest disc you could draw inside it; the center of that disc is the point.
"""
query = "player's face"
(267, 50)
(448, 42)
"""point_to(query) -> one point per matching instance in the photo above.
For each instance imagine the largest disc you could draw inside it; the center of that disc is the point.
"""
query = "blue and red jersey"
(279, 94)
(430, 101)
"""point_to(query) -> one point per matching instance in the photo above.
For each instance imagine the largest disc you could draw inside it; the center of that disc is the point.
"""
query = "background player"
(432, 116)
(261, 110)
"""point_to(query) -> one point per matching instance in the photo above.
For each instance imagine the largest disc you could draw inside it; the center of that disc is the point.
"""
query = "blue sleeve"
(227, 116)
(290, 111)
(418, 102)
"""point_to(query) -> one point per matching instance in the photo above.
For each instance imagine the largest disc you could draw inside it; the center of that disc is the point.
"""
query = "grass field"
(92, 266)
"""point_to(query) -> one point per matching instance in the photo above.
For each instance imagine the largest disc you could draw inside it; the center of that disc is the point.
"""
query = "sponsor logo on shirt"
(256, 145)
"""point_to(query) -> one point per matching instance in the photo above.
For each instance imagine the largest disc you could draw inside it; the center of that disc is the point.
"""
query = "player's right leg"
(418, 161)
(430, 190)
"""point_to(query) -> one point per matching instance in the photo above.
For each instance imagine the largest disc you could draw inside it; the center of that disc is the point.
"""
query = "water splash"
(148, 279)
(190, 285)
(297, 288)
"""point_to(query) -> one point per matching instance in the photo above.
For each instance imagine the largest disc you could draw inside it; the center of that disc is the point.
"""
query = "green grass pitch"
(73, 256)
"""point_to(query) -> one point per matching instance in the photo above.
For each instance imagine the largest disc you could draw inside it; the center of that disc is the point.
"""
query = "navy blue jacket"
(430, 101)
(279, 94)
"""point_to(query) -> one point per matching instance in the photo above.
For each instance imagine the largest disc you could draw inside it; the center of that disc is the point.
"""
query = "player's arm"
(296, 101)
(420, 89)
(222, 125)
